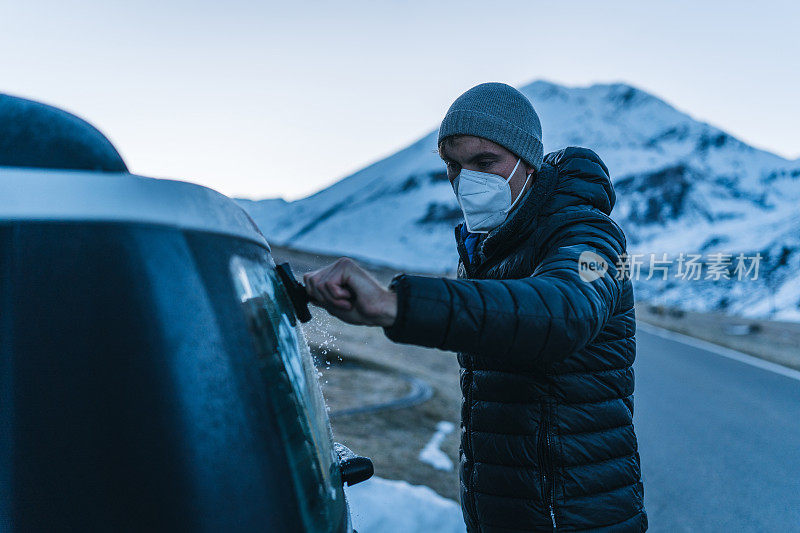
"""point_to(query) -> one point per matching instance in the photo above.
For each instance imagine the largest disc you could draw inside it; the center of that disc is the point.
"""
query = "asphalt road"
(719, 438)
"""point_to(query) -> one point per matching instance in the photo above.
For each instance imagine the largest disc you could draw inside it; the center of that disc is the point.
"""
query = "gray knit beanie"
(500, 113)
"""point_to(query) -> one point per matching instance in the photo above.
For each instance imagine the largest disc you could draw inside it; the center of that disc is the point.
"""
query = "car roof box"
(37, 135)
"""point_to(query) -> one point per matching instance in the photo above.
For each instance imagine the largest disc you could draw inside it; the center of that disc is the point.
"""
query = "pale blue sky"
(262, 99)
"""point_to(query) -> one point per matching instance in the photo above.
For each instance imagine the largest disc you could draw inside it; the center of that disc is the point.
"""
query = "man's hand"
(351, 294)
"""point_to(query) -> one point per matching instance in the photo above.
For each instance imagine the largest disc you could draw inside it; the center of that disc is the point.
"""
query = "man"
(542, 319)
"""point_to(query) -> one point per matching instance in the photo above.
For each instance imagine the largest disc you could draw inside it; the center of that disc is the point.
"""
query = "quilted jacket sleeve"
(546, 316)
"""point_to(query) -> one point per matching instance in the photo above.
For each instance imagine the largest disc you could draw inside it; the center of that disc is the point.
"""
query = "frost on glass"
(292, 384)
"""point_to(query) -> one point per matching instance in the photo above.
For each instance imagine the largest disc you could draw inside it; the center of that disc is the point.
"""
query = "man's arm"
(544, 317)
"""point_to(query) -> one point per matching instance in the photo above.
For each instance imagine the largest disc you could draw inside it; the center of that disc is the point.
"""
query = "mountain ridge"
(682, 185)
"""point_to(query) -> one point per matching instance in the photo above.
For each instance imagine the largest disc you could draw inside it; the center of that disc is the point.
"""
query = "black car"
(153, 373)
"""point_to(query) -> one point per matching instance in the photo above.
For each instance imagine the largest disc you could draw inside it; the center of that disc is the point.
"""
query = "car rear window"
(294, 390)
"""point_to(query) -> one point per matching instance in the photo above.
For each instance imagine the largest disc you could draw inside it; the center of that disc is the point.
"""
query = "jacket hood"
(582, 179)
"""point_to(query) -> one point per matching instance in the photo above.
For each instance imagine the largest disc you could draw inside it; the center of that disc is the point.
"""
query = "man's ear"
(530, 169)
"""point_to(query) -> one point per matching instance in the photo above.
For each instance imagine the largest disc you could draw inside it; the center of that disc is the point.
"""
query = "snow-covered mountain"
(682, 186)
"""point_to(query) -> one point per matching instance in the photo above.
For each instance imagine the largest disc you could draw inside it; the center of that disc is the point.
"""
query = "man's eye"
(485, 164)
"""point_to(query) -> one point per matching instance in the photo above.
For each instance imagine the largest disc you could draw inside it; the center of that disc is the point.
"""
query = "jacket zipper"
(467, 424)
(469, 267)
(545, 460)
(462, 251)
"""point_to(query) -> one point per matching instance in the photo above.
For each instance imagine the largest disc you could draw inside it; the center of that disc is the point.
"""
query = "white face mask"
(485, 198)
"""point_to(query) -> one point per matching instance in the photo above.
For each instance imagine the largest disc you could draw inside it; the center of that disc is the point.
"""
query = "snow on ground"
(390, 506)
(432, 454)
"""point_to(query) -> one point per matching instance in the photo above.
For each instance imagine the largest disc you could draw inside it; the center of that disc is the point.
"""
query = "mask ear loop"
(523, 186)
(515, 169)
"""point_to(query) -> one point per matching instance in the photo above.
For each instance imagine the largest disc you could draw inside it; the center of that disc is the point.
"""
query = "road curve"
(719, 437)
(420, 391)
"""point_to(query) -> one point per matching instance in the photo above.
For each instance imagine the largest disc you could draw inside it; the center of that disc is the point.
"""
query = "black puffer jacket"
(547, 438)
